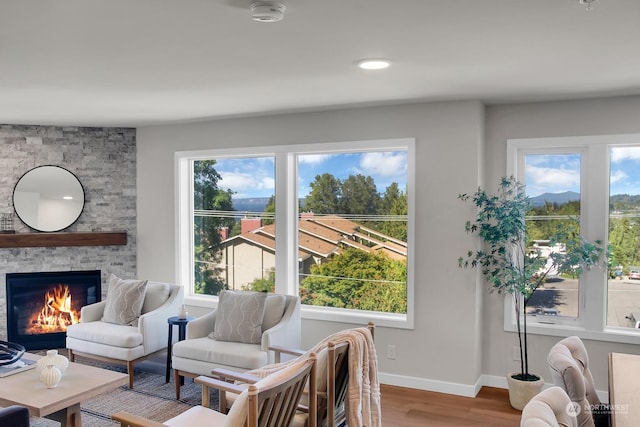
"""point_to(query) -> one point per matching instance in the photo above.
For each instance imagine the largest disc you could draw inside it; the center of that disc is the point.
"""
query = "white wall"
(443, 351)
(552, 119)
(459, 332)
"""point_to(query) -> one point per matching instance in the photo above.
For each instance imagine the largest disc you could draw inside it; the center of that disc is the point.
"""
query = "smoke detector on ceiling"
(267, 11)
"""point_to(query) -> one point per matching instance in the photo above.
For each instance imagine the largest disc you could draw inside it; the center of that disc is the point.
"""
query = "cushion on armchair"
(124, 301)
(239, 317)
(111, 334)
(273, 310)
(156, 294)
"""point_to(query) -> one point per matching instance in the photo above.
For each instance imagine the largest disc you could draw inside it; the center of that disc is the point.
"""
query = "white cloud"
(618, 177)
(241, 182)
(551, 180)
(313, 159)
(619, 154)
(384, 164)
(622, 183)
(268, 183)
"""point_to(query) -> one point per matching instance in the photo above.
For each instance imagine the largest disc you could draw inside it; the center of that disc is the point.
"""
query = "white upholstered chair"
(569, 365)
(201, 352)
(549, 408)
(98, 337)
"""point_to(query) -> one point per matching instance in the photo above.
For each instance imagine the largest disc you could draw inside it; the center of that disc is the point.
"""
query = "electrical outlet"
(391, 351)
(516, 353)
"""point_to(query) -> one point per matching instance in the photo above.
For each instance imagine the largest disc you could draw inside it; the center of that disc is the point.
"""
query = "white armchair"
(96, 339)
(200, 353)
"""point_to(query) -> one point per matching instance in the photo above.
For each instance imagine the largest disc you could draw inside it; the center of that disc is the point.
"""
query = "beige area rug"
(151, 398)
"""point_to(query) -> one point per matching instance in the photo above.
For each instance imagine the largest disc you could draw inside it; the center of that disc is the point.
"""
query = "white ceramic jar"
(58, 360)
(50, 375)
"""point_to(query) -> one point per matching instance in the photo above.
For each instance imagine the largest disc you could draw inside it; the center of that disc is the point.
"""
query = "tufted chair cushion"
(548, 409)
(569, 365)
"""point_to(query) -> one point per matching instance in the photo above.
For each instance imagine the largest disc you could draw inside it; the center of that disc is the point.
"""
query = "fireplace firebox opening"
(41, 305)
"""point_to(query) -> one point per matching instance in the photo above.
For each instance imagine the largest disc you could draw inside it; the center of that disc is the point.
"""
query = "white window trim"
(286, 237)
(594, 185)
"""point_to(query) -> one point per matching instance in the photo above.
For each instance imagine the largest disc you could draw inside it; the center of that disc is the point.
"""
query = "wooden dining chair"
(270, 402)
(331, 408)
(332, 381)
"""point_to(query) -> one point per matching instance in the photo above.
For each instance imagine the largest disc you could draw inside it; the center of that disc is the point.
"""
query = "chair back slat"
(337, 381)
(270, 402)
(331, 410)
(276, 405)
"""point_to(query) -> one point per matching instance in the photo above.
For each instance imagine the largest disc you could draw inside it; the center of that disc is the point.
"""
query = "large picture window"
(328, 222)
(593, 182)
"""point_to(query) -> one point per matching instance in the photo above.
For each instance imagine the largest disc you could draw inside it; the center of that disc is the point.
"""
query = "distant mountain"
(255, 204)
(624, 203)
(619, 201)
(625, 198)
(557, 198)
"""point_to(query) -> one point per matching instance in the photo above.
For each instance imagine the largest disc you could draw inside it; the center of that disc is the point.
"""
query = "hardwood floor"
(409, 407)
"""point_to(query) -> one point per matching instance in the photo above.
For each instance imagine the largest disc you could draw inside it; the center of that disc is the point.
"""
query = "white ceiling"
(143, 62)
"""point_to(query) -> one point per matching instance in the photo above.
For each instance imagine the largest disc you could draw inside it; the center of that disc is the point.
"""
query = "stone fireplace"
(41, 305)
(104, 160)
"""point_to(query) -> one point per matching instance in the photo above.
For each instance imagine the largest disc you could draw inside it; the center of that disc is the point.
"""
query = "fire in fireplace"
(40, 306)
(56, 313)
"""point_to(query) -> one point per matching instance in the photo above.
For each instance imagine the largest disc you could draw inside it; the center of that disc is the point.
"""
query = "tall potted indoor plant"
(511, 266)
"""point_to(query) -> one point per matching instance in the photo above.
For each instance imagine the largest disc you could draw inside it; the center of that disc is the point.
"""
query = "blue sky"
(557, 173)
(254, 177)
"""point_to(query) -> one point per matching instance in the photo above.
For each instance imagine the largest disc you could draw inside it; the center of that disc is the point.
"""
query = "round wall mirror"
(48, 198)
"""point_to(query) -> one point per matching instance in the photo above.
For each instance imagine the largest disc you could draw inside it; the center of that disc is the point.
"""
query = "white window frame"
(594, 225)
(286, 218)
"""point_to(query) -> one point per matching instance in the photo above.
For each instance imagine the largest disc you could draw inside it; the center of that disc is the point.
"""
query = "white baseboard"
(429, 385)
(466, 390)
(493, 381)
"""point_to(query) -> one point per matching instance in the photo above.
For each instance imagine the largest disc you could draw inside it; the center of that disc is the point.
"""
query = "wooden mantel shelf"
(39, 240)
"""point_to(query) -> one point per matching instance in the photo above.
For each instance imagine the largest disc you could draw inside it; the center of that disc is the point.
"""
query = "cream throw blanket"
(363, 394)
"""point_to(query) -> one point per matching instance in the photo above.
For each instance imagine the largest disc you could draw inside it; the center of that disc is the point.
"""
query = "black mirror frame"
(84, 198)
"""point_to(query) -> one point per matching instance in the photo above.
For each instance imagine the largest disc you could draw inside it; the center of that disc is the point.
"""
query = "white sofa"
(93, 338)
(199, 354)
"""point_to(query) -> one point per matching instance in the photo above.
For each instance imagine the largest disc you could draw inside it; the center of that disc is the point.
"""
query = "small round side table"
(182, 331)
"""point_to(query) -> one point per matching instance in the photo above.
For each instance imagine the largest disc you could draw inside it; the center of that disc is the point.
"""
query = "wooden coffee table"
(62, 403)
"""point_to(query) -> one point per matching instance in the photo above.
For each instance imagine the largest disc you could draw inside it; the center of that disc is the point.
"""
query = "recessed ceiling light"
(374, 64)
